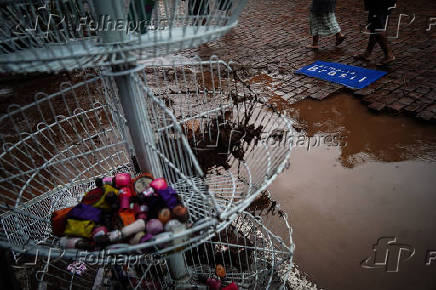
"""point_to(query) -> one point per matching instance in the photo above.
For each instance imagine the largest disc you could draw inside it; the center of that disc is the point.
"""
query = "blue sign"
(347, 75)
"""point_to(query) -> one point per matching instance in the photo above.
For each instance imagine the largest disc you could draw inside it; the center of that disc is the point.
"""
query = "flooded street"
(378, 181)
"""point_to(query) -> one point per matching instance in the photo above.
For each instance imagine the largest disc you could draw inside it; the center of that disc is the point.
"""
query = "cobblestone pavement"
(269, 44)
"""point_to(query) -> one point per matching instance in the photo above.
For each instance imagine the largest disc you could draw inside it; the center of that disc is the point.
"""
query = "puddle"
(262, 78)
(378, 181)
(366, 136)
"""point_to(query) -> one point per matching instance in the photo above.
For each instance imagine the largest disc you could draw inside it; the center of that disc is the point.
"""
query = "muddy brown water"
(379, 181)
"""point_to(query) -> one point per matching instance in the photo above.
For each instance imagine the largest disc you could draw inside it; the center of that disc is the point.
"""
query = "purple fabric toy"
(154, 226)
(146, 238)
(77, 268)
(214, 284)
(85, 212)
(169, 195)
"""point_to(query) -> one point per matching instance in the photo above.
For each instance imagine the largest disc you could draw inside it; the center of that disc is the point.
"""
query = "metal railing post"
(137, 119)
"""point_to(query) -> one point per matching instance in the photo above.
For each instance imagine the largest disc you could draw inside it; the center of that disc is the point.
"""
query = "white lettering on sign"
(431, 23)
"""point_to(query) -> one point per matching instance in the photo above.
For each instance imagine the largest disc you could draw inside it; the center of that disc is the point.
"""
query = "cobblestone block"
(377, 106)
(426, 115)
(406, 101)
(411, 109)
(364, 92)
(422, 90)
(395, 107)
(431, 108)
(370, 99)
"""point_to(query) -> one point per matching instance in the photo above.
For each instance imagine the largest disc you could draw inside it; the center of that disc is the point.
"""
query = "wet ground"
(272, 35)
(359, 177)
(377, 179)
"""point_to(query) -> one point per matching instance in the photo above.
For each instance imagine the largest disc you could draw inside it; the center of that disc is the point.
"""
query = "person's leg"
(340, 37)
(381, 37)
(372, 41)
(314, 27)
(315, 40)
(382, 40)
(334, 28)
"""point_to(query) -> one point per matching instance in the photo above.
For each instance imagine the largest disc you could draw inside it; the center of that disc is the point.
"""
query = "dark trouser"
(377, 25)
(377, 20)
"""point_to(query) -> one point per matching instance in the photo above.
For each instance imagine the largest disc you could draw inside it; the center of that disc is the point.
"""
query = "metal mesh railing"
(53, 35)
(58, 139)
(80, 133)
(190, 122)
(252, 256)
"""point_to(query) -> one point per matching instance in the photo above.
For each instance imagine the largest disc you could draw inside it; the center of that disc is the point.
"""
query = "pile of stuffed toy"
(121, 210)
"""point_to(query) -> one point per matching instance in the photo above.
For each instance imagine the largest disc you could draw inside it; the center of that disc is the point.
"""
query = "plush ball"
(99, 231)
(172, 225)
(213, 284)
(220, 271)
(164, 215)
(231, 286)
(122, 180)
(154, 226)
(181, 213)
(159, 184)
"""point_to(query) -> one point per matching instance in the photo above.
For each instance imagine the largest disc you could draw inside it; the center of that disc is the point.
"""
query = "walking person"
(323, 22)
(378, 13)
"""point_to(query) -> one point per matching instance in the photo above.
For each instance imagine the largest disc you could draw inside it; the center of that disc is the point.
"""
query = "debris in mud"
(222, 138)
(278, 102)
